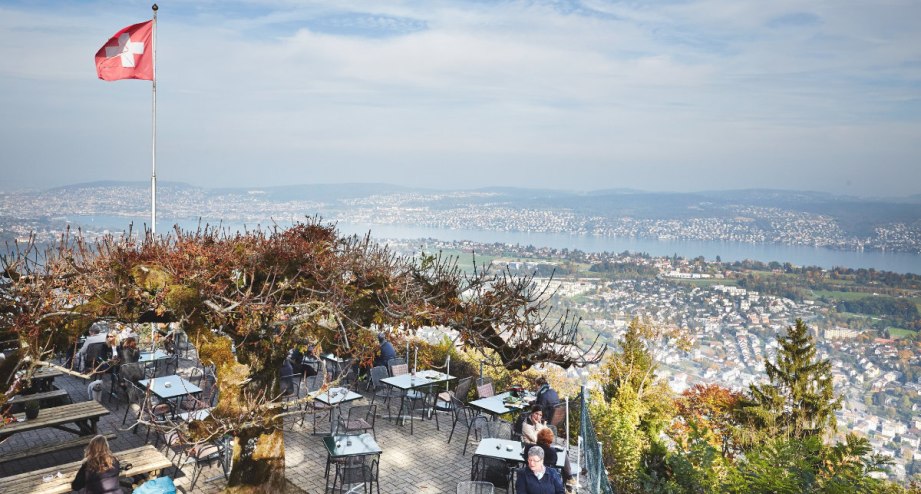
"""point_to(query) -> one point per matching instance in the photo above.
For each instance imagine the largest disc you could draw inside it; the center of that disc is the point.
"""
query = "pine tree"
(798, 401)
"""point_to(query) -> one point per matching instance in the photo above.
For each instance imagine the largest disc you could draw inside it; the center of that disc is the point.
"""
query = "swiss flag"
(127, 55)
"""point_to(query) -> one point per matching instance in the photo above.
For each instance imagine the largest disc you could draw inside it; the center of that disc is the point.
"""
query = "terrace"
(419, 462)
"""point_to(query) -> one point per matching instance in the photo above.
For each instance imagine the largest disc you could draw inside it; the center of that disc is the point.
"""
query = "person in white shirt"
(532, 425)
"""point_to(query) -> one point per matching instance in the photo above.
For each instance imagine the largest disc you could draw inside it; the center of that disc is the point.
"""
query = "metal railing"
(596, 477)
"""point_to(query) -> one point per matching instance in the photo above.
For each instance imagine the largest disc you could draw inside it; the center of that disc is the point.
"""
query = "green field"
(842, 296)
(900, 333)
(706, 282)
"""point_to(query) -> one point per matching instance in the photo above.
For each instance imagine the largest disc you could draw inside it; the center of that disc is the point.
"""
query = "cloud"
(444, 93)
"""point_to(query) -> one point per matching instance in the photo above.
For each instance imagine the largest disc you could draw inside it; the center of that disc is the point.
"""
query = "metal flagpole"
(153, 176)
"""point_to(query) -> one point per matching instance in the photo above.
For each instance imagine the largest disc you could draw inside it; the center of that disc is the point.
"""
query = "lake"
(728, 251)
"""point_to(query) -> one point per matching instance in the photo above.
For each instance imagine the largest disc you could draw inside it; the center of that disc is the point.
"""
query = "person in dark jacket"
(387, 351)
(537, 478)
(545, 441)
(128, 350)
(100, 470)
(547, 398)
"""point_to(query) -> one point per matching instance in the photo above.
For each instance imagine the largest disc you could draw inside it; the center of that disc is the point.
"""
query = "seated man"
(547, 398)
(537, 478)
(96, 335)
(387, 351)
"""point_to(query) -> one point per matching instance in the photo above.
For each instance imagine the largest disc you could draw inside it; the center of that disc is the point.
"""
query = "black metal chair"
(357, 470)
(360, 419)
(475, 487)
(493, 470)
(446, 402)
(475, 423)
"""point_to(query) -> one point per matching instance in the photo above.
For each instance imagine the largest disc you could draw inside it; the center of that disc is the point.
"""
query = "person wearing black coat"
(547, 398)
(386, 352)
(100, 470)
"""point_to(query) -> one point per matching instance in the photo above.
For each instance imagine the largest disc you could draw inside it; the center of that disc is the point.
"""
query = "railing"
(596, 478)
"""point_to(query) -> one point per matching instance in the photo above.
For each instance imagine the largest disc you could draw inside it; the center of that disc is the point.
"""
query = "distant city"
(753, 217)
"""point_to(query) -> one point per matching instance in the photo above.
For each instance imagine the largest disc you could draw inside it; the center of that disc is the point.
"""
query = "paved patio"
(420, 463)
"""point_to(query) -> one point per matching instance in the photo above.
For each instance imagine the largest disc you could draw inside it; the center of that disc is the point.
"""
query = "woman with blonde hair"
(100, 469)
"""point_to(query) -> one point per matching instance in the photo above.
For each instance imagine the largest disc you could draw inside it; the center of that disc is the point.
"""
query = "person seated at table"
(545, 441)
(547, 398)
(96, 335)
(310, 362)
(286, 378)
(386, 351)
(100, 470)
(536, 478)
(532, 425)
(128, 351)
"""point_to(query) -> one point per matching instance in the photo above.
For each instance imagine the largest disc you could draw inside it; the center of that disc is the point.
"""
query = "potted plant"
(31, 410)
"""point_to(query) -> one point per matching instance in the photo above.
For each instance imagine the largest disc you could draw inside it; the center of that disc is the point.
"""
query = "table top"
(420, 380)
(167, 387)
(498, 404)
(46, 373)
(148, 356)
(335, 396)
(50, 417)
(144, 460)
(195, 415)
(333, 358)
(509, 450)
(363, 444)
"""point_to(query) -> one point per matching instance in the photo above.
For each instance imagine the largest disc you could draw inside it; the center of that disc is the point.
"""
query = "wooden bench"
(83, 414)
(40, 397)
(51, 448)
(143, 460)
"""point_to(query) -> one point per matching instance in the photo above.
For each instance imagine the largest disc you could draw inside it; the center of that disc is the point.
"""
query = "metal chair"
(466, 416)
(382, 390)
(360, 419)
(396, 361)
(493, 470)
(206, 452)
(445, 401)
(146, 410)
(501, 429)
(485, 390)
(475, 487)
(357, 470)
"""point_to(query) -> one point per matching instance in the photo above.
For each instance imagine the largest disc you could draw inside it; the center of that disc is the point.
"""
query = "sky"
(665, 95)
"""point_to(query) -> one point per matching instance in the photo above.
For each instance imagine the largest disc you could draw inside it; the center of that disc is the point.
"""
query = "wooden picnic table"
(143, 460)
(83, 414)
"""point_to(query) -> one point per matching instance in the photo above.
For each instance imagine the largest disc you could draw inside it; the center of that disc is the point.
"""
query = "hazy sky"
(658, 95)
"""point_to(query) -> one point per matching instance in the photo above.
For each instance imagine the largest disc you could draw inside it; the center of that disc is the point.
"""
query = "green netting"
(596, 477)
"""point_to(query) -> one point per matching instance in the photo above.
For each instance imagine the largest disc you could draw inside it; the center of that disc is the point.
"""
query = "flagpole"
(153, 176)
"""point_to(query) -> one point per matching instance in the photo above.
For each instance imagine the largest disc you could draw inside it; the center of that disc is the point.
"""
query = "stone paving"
(420, 463)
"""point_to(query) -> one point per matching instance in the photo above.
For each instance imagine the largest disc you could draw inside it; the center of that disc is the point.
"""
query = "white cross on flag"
(127, 55)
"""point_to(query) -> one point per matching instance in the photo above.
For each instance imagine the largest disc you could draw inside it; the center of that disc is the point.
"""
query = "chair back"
(132, 372)
(493, 470)
(475, 487)
(93, 356)
(378, 373)
(501, 429)
(399, 369)
(485, 390)
(396, 361)
(559, 414)
(463, 389)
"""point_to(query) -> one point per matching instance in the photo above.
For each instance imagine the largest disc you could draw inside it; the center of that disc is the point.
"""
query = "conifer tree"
(798, 401)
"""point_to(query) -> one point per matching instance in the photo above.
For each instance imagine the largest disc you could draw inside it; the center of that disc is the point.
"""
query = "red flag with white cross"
(128, 54)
